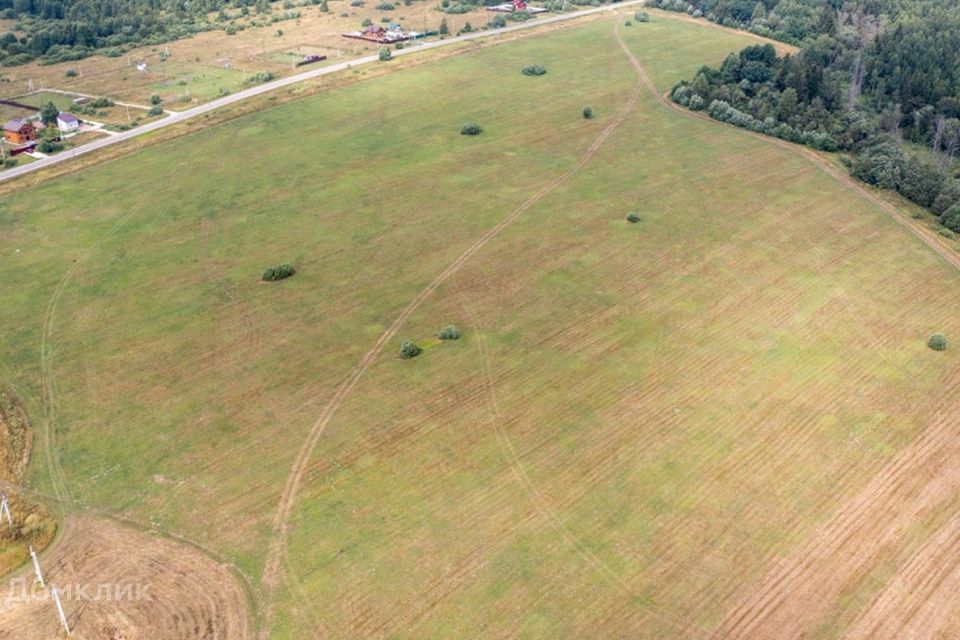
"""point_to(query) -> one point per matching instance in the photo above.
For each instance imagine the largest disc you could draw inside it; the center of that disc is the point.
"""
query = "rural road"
(180, 116)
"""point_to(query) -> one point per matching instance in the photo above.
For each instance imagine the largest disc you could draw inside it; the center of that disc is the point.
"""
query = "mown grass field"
(640, 421)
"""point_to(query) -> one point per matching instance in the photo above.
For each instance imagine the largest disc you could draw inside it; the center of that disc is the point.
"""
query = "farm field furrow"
(720, 421)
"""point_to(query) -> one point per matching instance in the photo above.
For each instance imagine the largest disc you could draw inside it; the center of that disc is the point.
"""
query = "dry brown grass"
(33, 524)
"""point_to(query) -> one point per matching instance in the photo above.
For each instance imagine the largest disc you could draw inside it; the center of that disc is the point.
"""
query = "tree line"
(876, 79)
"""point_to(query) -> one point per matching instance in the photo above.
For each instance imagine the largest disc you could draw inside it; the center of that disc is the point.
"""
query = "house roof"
(14, 125)
(67, 117)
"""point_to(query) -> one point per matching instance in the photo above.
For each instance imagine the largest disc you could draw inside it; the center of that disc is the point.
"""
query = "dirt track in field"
(277, 549)
(184, 595)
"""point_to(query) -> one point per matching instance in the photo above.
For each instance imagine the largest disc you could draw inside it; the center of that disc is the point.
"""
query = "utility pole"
(129, 121)
(36, 566)
(4, 505)
(56, 600)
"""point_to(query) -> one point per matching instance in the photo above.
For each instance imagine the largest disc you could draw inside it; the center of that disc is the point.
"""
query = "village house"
(67, 122)
(19, 131)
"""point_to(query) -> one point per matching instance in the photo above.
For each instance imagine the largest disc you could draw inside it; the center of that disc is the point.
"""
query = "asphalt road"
(233, 98)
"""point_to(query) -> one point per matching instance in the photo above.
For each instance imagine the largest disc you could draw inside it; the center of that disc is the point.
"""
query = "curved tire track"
(291, 488)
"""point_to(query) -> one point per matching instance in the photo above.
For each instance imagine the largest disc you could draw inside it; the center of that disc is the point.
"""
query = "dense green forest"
(876, 79)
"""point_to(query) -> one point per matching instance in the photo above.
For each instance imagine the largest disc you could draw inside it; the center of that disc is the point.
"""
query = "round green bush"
(633, 217)
(587, 113)
(628, 24)
(533, 70)
(279, 272)
(409, 350)
(449, 332)
(641, 16)
(385, 54)
(470, 128)
(938, 342)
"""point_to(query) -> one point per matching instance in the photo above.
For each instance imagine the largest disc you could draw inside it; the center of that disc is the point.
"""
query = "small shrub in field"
(385, 54)
(409, 350)
(628, 24)
(279, 272)
(633, 217)
(366, 22)
(587, 113)
(71, 73)
(533, 70)
(385, 6)
(9, 163)
(470, 129)
(449, 332)
(49, 146)
(938, 342)
(155, 111)
(641, 16)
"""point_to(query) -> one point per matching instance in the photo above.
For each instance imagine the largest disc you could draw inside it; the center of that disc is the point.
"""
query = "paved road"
(233, 98)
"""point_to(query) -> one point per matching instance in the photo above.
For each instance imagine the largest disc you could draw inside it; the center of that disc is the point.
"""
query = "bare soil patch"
(166, 590)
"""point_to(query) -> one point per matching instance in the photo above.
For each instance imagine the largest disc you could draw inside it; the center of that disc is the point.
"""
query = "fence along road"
(273, 85)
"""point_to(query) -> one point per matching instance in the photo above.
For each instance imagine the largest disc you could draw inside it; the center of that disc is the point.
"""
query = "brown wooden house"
(19, 131)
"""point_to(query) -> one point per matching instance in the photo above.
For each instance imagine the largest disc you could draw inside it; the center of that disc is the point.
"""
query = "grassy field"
(640, 422)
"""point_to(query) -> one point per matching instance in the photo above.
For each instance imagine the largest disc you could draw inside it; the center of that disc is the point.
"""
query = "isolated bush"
(356, 3)
(385, 54)
(470, 129)
(155, 99)
(71, 73)
(449, 332)
(257, 78)
(409, 350)
(641, 16)
(155, 111)
(100, 103)
(633, 217)
(366, 22)
(49, 146)
(231, 29)
(533, 70)
(385, 6)
(498, 22)
(628, 24)
(9, 163)
(587, 113)
(938, 342)
(279, 272)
